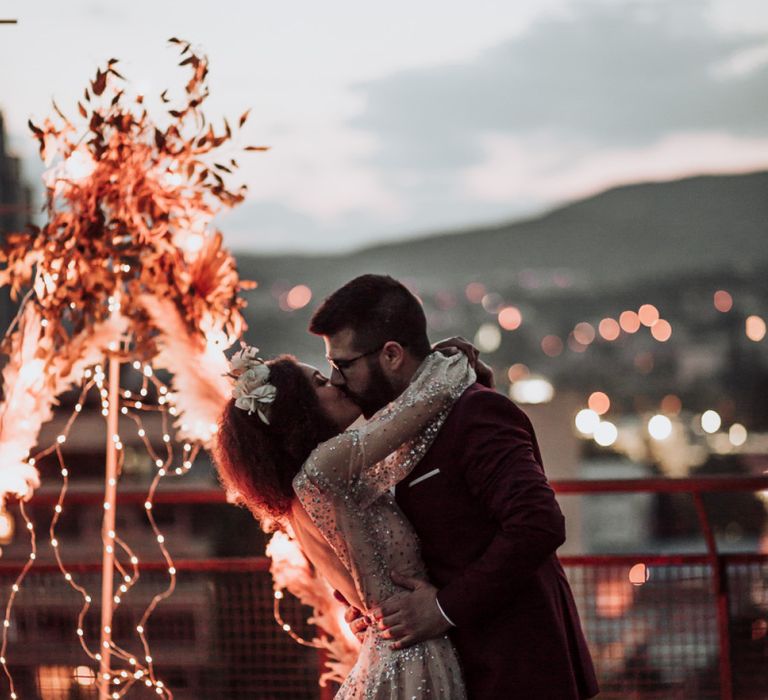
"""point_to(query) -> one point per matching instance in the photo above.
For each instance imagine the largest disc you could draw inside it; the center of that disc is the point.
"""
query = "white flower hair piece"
(252, 391)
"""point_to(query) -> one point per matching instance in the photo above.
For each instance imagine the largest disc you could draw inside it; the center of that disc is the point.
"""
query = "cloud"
(611, 76)
(521, 168)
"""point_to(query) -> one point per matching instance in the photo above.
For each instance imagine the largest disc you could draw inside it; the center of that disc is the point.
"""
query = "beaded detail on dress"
(346, 489)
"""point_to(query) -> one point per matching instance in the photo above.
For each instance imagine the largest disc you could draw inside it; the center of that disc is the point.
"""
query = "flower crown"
(252, 391)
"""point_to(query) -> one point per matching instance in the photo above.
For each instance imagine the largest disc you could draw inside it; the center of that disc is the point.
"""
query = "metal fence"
(690, 626)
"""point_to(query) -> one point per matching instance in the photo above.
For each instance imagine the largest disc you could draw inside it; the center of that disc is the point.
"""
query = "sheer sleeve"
(362, 464)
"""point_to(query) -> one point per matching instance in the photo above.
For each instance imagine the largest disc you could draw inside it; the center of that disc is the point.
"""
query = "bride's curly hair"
(256, 462)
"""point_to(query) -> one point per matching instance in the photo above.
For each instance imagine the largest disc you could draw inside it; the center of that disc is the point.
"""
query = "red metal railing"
(715, 562)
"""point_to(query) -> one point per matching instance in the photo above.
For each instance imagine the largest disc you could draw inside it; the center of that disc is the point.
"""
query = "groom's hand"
(411, 616)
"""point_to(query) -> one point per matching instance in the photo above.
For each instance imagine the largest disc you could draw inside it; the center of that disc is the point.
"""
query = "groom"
(487, 519)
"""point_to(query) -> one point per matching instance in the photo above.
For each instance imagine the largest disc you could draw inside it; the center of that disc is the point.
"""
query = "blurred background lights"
(492, 302)
(84, 676)
(606, 434)
(510, 318)
(723, 301)
(710, 421)
(609, 329)
(629, 322)
(584, 333)
(535, 389)
(587, 421)
(475, 291)
(737, 435)
(648, 314)
(639, 574)
(599, 402)
(755, 328)
(671, 404)
(661, 330)
(659, 427)
(551, 345)
(574, 344)
(299, 296)
(488, 337)
(517, 372)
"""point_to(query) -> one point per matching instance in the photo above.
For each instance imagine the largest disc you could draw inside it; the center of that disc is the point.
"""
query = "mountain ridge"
(625, 233)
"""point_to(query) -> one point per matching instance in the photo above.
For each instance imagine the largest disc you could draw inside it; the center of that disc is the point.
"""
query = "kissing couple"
(432, 517)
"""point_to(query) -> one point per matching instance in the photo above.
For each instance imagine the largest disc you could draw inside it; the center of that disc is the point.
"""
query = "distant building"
(15, 209)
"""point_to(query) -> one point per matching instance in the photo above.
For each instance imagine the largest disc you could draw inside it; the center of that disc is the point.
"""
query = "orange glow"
(639, 574)
(629, 322)
(613, 598)
(475, 291)
(584, 333)
(755, 328)
(510, 318)
(648, 314)
(551, 345)
(609, 329)
(671, 404)
(661, 330)
(299, 297)
(723, 301)
(599, 402)
(517, 372)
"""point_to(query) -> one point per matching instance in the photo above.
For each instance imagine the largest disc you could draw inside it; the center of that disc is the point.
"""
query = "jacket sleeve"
(502, 471)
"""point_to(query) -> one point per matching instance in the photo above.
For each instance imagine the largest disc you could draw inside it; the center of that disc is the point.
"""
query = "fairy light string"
(134, 667)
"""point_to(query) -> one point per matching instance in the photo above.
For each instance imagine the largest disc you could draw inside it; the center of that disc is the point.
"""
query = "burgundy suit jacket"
(489, 526)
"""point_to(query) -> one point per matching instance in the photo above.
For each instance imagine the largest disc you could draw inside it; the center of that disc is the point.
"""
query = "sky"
(397, 119)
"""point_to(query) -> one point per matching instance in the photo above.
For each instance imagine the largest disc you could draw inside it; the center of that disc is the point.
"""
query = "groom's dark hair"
(377, 308)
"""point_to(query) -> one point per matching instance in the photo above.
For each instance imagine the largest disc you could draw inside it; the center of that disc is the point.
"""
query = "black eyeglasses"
(341, 365)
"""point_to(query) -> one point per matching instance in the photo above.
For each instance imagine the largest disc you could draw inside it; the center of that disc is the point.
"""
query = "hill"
(619, 237)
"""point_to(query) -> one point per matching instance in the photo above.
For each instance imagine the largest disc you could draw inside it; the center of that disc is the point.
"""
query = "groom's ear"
(392, 355)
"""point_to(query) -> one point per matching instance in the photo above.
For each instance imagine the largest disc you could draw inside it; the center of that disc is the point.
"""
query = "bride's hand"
(457, 343)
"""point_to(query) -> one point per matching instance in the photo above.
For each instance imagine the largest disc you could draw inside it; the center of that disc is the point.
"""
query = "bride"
(286, 447)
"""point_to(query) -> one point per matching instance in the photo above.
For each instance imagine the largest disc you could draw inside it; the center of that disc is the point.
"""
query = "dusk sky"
(387, 120)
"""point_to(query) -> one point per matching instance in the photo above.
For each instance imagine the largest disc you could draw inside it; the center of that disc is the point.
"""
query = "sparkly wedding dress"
(345, 500)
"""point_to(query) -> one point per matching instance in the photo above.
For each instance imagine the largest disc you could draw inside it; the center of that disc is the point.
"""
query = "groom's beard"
(377, 394)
